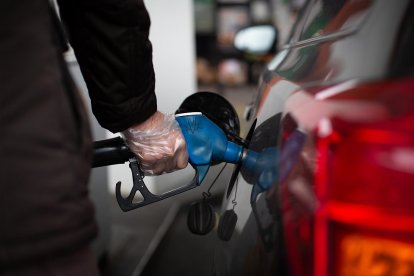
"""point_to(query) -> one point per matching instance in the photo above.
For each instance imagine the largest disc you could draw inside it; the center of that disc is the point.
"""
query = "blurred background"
(193, 51)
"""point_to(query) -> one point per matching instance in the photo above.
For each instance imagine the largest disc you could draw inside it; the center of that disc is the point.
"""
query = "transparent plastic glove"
(158, 144)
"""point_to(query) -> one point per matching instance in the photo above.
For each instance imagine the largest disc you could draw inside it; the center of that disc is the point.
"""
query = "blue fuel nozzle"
(206, 143)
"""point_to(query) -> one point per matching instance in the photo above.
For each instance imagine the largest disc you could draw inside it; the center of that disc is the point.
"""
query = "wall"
(173, 39)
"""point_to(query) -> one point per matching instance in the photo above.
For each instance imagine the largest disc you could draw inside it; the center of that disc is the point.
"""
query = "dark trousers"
(81, 262)
(45, 148)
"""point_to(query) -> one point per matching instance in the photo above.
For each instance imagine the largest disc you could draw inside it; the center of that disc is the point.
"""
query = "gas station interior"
(193, 44)
(192, 51)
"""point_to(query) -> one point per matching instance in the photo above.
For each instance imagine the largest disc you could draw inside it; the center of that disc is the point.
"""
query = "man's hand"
(158, 144)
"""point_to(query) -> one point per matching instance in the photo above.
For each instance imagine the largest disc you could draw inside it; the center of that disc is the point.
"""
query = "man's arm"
(110, 40)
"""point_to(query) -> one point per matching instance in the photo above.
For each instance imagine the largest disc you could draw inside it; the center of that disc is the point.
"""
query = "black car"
(334, 122)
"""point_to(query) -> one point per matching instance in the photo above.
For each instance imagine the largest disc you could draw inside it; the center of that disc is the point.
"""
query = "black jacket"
(110, 39)
(45, 146)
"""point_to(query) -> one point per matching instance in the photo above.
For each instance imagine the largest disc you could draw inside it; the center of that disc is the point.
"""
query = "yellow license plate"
(366, 256)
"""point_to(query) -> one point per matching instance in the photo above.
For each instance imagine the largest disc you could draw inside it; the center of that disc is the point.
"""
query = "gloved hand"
(158, 144)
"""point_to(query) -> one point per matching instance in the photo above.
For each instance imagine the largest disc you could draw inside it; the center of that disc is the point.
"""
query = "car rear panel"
(346, 205)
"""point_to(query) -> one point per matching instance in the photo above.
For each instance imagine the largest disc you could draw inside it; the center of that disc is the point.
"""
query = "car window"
(329, 16)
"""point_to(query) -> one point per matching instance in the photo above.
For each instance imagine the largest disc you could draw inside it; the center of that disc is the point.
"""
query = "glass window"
(204, 16)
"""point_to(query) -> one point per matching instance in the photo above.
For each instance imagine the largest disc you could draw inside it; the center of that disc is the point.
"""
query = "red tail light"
(365, 186)
(363, 222)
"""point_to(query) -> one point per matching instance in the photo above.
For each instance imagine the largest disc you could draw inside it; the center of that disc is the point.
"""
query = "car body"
(335, 109)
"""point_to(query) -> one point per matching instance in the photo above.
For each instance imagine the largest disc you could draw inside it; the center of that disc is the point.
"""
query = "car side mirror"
(257, 40)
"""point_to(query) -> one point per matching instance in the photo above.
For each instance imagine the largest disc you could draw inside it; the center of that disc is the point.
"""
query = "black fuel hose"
(110, 152)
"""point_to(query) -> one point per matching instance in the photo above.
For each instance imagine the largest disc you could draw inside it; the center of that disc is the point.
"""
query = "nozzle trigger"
(128, 204)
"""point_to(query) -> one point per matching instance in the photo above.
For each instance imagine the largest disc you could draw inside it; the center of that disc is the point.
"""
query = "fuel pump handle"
(206, 143)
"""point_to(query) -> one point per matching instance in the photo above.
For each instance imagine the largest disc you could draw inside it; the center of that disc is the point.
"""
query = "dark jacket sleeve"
(110, 40)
